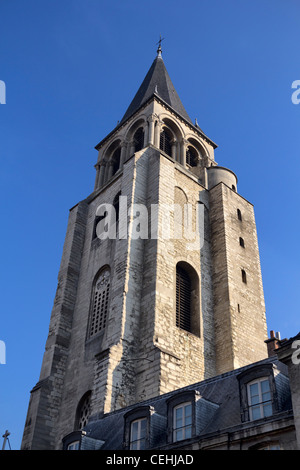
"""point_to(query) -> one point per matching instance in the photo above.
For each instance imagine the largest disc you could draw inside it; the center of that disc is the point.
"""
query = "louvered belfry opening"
(139, 139)
(191, 157)
(183, 299)
(165, 142)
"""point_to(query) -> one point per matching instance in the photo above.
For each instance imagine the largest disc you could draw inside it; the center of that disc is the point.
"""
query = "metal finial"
(159, 49)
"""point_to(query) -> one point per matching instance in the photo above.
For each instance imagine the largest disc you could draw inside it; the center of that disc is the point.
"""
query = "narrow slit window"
(244, 276)
(183, 299)
(116, 205)
(239, 215)
(242, 242)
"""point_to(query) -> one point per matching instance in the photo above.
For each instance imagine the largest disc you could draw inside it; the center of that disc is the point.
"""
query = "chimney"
(273, 342)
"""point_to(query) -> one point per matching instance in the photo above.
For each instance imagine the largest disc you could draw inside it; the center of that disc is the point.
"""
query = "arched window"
(116, 160)
(191, 156)
(138, 139)
(83, 411)
(165, 141)
(187, 298)
(183, 299)
(116, 204)
(99, 307)
(239, 214)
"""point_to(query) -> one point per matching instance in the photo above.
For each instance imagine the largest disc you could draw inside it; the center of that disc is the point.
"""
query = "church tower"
(160, 283)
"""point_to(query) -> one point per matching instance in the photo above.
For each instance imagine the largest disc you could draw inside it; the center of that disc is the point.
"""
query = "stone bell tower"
(139, 311)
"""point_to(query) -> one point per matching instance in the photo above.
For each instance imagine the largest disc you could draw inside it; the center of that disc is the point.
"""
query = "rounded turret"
(219, 174)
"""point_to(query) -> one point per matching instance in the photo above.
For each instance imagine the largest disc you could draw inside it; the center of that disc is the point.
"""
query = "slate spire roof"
(157, 82)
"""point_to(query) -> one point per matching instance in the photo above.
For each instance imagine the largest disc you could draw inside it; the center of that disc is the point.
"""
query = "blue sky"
(71, 68)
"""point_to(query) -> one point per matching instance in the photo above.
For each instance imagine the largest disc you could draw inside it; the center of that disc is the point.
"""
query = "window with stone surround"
(165, 141)
(116, 204)
(100, 299)
(115, 160)
(83, 411)
(192, 157)
(183, 299)
(138, 139)
(187, 298)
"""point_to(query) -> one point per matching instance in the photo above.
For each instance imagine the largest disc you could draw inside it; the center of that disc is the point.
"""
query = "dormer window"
(259, 398)
(182, 421)
(75, 445)
(264, 390)
(138, 434)
(182, 415)
(137, 426)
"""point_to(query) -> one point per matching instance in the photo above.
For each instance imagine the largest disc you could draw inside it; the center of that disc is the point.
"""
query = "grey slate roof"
(157, 81)
(219, 409)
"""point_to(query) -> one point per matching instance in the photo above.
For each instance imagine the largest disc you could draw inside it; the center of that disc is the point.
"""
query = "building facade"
(246, 409)
(160, 283)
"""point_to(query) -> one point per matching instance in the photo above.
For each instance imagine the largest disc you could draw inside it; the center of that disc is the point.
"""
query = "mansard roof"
(219, 409)
(157, 82)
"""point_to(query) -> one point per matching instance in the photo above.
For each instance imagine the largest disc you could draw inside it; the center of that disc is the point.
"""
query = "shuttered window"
(183, 299)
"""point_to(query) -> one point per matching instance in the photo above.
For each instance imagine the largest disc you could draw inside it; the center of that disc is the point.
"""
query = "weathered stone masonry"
(155, 156)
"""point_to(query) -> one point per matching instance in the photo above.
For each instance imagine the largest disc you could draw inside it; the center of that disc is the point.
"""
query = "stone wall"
(240, 323)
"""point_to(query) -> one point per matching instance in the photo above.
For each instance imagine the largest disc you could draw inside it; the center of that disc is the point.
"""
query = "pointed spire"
(157, 81)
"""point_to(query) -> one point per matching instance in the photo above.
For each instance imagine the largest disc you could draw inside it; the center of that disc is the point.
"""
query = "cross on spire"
(159, 50)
